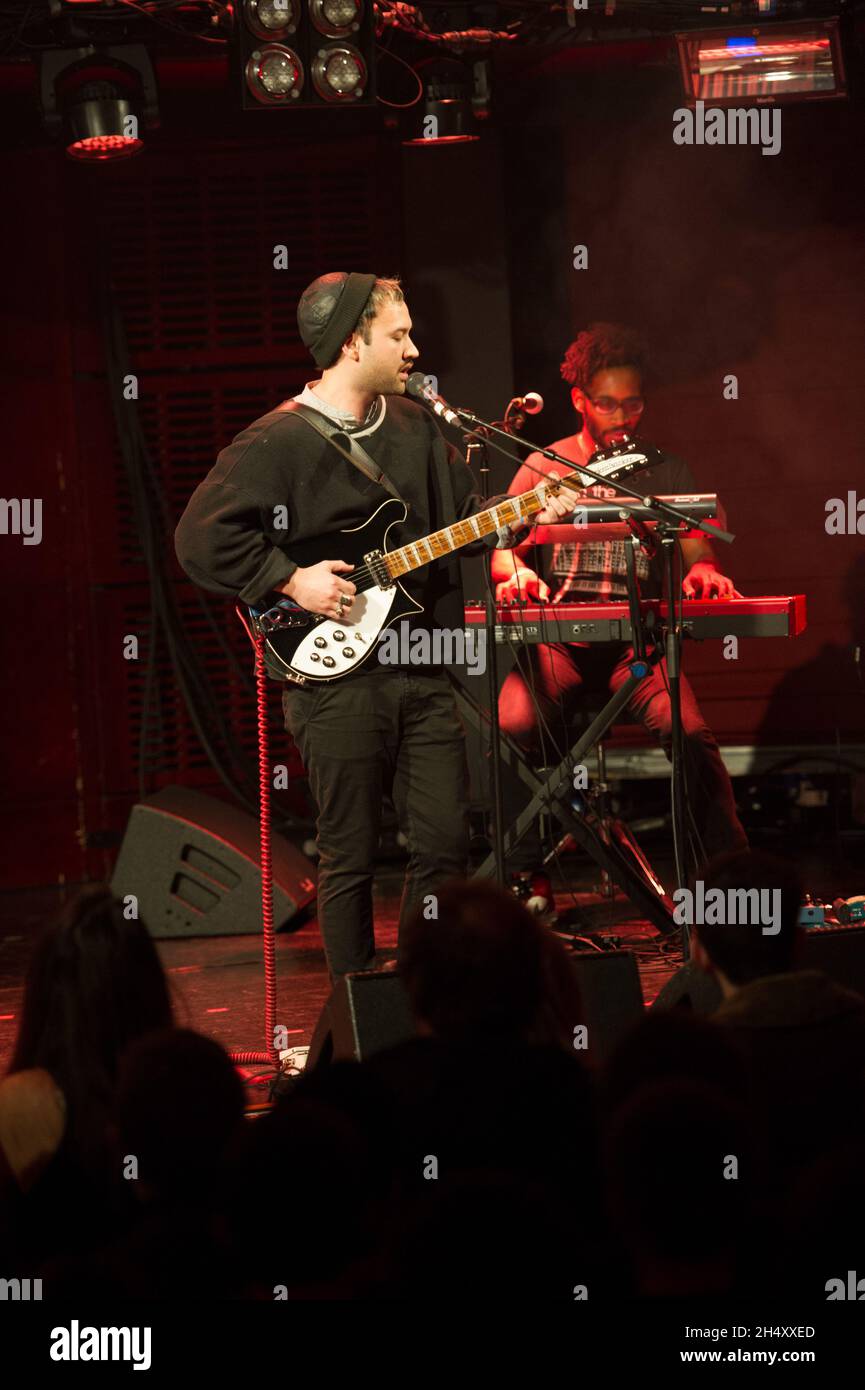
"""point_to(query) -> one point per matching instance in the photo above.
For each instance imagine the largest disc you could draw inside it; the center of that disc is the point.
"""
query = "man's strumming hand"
(318, 587)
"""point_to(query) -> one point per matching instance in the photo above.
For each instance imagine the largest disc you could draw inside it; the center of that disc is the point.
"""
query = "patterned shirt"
(595, 571)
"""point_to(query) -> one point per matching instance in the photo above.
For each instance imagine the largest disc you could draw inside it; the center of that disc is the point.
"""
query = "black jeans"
(386, 731)
(558, 675)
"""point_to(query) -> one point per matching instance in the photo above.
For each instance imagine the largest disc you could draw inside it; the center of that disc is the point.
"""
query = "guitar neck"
(460, 533)
(450, 538)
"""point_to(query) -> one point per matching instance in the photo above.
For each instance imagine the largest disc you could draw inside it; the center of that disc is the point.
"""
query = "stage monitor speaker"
(367, 1012)
(193, 864)
(838, 951)
(612, 999)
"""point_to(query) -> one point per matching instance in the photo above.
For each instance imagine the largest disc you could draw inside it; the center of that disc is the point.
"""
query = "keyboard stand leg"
(631, 872)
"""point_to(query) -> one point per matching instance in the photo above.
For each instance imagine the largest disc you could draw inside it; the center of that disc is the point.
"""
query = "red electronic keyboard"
(783, 616)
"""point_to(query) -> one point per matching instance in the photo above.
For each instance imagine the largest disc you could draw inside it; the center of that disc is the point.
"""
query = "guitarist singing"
(384, 729)
(604, 368)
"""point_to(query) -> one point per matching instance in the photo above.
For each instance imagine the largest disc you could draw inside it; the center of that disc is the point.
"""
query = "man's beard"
(392, 386)
(604, 443)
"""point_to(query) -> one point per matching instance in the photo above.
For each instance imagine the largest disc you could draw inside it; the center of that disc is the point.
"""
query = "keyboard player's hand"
(522, 585)
(704, 581)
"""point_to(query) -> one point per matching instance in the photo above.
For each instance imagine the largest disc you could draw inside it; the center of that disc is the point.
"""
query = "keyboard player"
(604, 367)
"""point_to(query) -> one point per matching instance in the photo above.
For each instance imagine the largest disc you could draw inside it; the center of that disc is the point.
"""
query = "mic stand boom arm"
(474, 424)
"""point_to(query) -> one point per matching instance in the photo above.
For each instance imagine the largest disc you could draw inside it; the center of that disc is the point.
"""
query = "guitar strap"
(358, 457)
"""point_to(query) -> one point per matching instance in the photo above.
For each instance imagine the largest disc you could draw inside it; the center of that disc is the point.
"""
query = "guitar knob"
(320, 642)
(329, 661)
(348, 651)
(314, 656)
(338, 636)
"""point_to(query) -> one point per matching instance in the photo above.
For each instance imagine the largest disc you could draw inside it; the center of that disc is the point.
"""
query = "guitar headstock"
(623, 459)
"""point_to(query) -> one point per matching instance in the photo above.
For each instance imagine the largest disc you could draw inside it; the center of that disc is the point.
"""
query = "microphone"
(532, 403)
(417, 387)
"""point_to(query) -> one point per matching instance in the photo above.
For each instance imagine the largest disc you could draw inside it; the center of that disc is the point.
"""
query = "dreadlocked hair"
(599, 347)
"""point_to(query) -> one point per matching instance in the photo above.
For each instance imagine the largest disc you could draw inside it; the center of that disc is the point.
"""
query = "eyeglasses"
(608, 405)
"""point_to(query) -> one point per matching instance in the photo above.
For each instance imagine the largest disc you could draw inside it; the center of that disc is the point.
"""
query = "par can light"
(336, 19)
(269, 19)
(339, 73)
(274, 74)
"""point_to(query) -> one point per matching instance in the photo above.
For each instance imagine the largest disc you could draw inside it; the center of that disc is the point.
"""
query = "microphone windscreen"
(416, 384)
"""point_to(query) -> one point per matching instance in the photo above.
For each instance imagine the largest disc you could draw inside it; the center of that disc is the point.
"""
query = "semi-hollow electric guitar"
(309, 648)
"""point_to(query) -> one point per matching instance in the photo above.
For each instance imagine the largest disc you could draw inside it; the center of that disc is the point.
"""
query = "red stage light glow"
(101, 147)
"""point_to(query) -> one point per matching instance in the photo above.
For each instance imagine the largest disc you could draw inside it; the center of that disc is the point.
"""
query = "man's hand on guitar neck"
(556, 507)
(318, 588)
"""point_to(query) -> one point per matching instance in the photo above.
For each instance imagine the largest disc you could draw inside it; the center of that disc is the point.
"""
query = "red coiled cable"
(268, 937)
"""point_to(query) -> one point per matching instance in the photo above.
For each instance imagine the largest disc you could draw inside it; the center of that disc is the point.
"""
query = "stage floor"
(218, 982)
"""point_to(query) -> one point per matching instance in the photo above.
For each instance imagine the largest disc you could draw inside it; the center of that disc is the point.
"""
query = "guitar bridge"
(378, 569)
(282, 615)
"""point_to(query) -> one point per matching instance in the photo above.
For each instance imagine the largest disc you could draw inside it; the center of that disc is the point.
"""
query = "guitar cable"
(268, 938)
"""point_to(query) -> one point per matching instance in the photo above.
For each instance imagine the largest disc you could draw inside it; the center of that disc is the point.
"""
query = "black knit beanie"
(328, 312)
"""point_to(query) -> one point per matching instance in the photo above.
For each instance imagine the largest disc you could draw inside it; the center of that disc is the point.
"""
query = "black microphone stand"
(476, 443)
(476, 446)
(669, 520)
(677, 744)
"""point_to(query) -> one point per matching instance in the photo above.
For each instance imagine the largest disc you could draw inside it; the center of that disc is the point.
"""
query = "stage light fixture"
(336, 19)
(783, 62)
(315, 53)
(339, 73)
(454, 101)
(274, 74)
(271, 19)
(99, 100)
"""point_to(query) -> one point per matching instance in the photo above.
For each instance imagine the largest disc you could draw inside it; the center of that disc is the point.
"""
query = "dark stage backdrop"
(730, 262)
(186, 235)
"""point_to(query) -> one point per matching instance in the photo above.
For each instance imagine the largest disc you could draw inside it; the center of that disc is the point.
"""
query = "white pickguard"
(332, 648)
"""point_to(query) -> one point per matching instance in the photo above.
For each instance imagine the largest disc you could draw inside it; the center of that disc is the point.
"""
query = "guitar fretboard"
(440, 543)
(460, 533)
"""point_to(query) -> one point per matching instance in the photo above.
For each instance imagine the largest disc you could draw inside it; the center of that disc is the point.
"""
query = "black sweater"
(228, 539)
